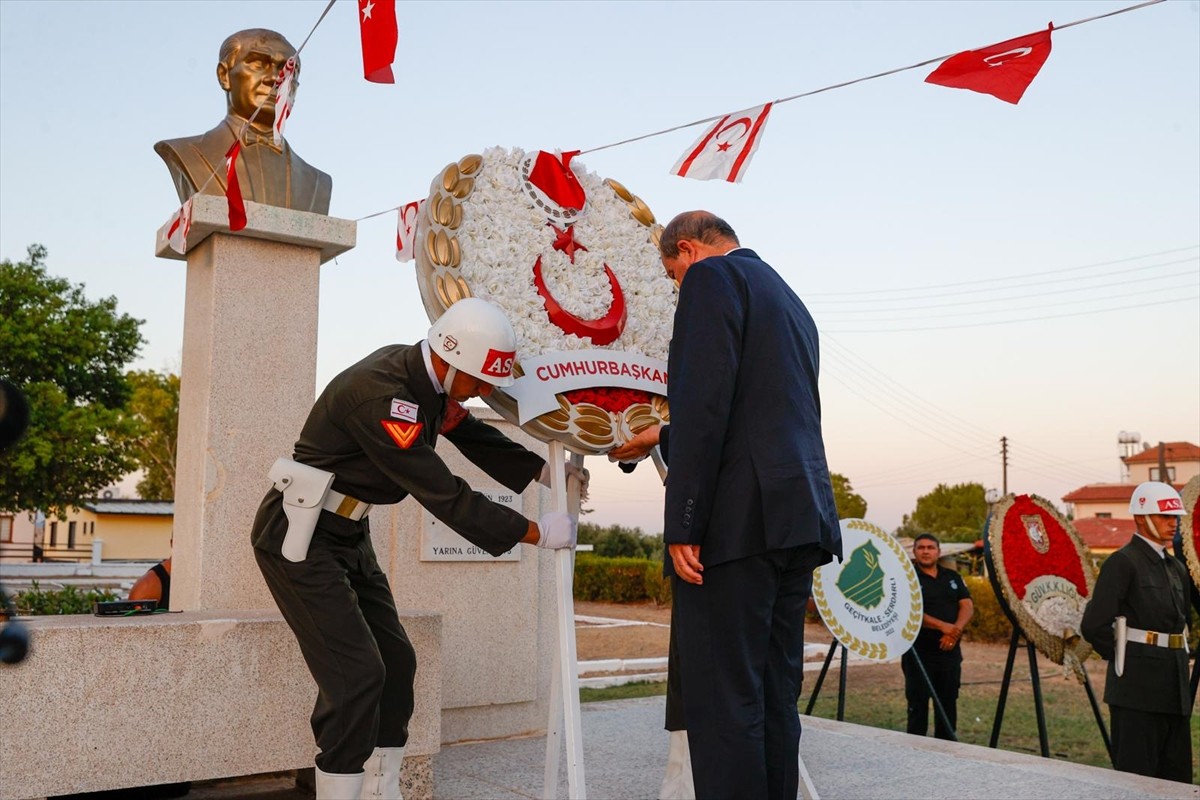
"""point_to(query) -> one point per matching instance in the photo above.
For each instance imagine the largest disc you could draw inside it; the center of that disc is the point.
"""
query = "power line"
(1008, 277)
(1193, 298)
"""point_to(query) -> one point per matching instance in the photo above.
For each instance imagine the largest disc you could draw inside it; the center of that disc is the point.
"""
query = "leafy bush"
(617, 541)
(990, 623)
(610, 580)
(68, 600)
(658, 586)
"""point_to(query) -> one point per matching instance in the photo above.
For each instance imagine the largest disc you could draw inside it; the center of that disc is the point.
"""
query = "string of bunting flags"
(379, 35)
(723, 151)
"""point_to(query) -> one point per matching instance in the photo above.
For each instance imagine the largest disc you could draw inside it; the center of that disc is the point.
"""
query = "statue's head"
(250, 63)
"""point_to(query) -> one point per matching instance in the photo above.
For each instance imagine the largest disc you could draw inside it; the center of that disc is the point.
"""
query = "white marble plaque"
(440, 543)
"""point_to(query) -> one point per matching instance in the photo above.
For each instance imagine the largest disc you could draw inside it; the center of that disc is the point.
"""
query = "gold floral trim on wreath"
(1189, 525)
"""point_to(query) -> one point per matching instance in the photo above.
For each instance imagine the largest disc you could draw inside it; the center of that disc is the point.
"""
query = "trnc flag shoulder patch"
(402, 433)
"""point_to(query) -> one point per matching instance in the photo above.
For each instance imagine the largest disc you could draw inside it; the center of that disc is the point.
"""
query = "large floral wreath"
(573, 261)
(1044, 574)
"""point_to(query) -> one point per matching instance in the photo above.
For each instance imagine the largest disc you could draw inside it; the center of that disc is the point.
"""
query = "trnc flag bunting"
(377, 24)
(1002, 70)
(181, 224)
(283, 99)
(725, 149)
(406, 230)
(233, 189)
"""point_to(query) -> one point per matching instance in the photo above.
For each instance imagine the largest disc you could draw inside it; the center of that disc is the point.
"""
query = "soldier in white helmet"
(369, 440)
(1137, 619)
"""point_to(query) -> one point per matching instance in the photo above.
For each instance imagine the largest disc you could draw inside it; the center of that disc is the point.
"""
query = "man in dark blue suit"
(749, 505)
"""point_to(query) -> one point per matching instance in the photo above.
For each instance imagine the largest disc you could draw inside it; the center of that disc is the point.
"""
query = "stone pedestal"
(248, 381)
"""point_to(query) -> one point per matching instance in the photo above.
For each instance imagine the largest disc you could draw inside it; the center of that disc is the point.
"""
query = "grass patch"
(623, 692)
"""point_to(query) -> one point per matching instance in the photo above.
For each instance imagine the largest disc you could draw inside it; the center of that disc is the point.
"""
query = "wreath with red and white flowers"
(573, 261)
(1043, 574)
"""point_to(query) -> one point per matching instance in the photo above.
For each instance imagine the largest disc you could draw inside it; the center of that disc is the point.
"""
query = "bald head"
(702, 227)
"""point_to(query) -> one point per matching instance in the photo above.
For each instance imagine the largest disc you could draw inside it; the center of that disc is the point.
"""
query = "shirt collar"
(437, 387)
(251, 136)
(1158, 548)
(734, 250)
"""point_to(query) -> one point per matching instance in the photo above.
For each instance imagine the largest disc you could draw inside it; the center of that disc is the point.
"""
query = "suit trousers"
(945, 673)
(740, 639)
(339, 604)
(1149, 743)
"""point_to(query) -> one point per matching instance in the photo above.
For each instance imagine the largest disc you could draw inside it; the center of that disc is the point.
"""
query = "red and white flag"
(284, 86)
(377, 24)
(181, 225)
(725, 149)
(233, 189)
(1002, 70)
(406, 230)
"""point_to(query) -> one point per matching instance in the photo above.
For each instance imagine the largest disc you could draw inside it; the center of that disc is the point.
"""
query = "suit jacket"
(276, 179)
(347, 434)
(748, 472)
(1149, 592)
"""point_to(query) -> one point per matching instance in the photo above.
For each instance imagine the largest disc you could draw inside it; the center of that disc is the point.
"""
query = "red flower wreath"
(1023, 563)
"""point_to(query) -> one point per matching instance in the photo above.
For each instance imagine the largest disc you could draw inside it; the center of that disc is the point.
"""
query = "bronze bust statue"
(249, 65)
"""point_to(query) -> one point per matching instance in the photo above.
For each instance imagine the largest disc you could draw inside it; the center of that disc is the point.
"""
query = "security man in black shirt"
(948, 609)
(369, 440)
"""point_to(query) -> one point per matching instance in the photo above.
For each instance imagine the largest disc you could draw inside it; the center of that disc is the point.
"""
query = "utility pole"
(1004, 460)
(1162, 464)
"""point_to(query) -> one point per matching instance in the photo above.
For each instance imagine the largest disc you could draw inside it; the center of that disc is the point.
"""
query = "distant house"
(1101, 510)
(128, 530)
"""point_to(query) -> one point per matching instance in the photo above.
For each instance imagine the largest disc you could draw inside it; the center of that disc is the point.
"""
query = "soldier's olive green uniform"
(337, 601)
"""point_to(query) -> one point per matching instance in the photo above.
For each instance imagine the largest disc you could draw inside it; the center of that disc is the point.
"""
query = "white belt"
(345, 506)
(1173, 641)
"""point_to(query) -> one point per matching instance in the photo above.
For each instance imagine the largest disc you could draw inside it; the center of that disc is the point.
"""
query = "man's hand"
(686, 560)
(557, 530)
(947, 642)
(574, 473)
(636, 448)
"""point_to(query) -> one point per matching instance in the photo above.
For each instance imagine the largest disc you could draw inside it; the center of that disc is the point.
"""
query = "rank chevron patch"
(402, 433)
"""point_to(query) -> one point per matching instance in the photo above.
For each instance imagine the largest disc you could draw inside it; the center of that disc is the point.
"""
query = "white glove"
(579, 474)
(557, 530)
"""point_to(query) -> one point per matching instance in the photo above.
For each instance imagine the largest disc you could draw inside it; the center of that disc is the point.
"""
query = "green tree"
(68, 354)
(617, 541)
(952, 513)
(849, 505)
(155, 405)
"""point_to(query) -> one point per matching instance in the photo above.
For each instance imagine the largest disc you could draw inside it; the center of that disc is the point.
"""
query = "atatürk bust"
(249, 65)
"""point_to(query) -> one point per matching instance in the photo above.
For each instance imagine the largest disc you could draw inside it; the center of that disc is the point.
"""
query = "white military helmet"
(475, 337)
(1155, 497)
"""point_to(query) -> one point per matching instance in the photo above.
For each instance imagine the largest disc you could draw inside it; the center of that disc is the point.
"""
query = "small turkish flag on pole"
(233, 189)
(1002, 70)
(283, 99)
(181, 224)
(406, 230)
(725, 149)
(377, 24)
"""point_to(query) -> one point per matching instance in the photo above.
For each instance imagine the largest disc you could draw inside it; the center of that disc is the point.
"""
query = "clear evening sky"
(977, 269)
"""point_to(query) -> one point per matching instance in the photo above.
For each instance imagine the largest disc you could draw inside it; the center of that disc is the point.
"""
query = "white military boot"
(677, 782)
(383, 774)
(338, 786)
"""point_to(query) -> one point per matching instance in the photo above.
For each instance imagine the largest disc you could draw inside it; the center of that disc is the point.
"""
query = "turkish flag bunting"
(181, 224)
(406, 230)
(725, 149)
(284, 86)
(377, 24)
(233, 189)
(1002, 70)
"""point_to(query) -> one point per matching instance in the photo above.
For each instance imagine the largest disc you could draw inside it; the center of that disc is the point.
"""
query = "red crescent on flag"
(601, 331)
(744, 122)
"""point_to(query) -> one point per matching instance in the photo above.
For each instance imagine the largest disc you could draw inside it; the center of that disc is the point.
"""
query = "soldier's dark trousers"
(945, 673)
(1146, 743)
(339, 604)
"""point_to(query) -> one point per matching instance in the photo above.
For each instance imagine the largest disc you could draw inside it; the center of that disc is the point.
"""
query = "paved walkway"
(625, 750)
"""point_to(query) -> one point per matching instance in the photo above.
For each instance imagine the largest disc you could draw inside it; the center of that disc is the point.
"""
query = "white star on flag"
(367, 9)
(725, 149)
(406, 230)
(284, 86)
(181, 225)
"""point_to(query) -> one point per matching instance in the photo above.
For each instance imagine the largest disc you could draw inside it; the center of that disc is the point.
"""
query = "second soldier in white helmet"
(369, 440)
(1137, 619)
